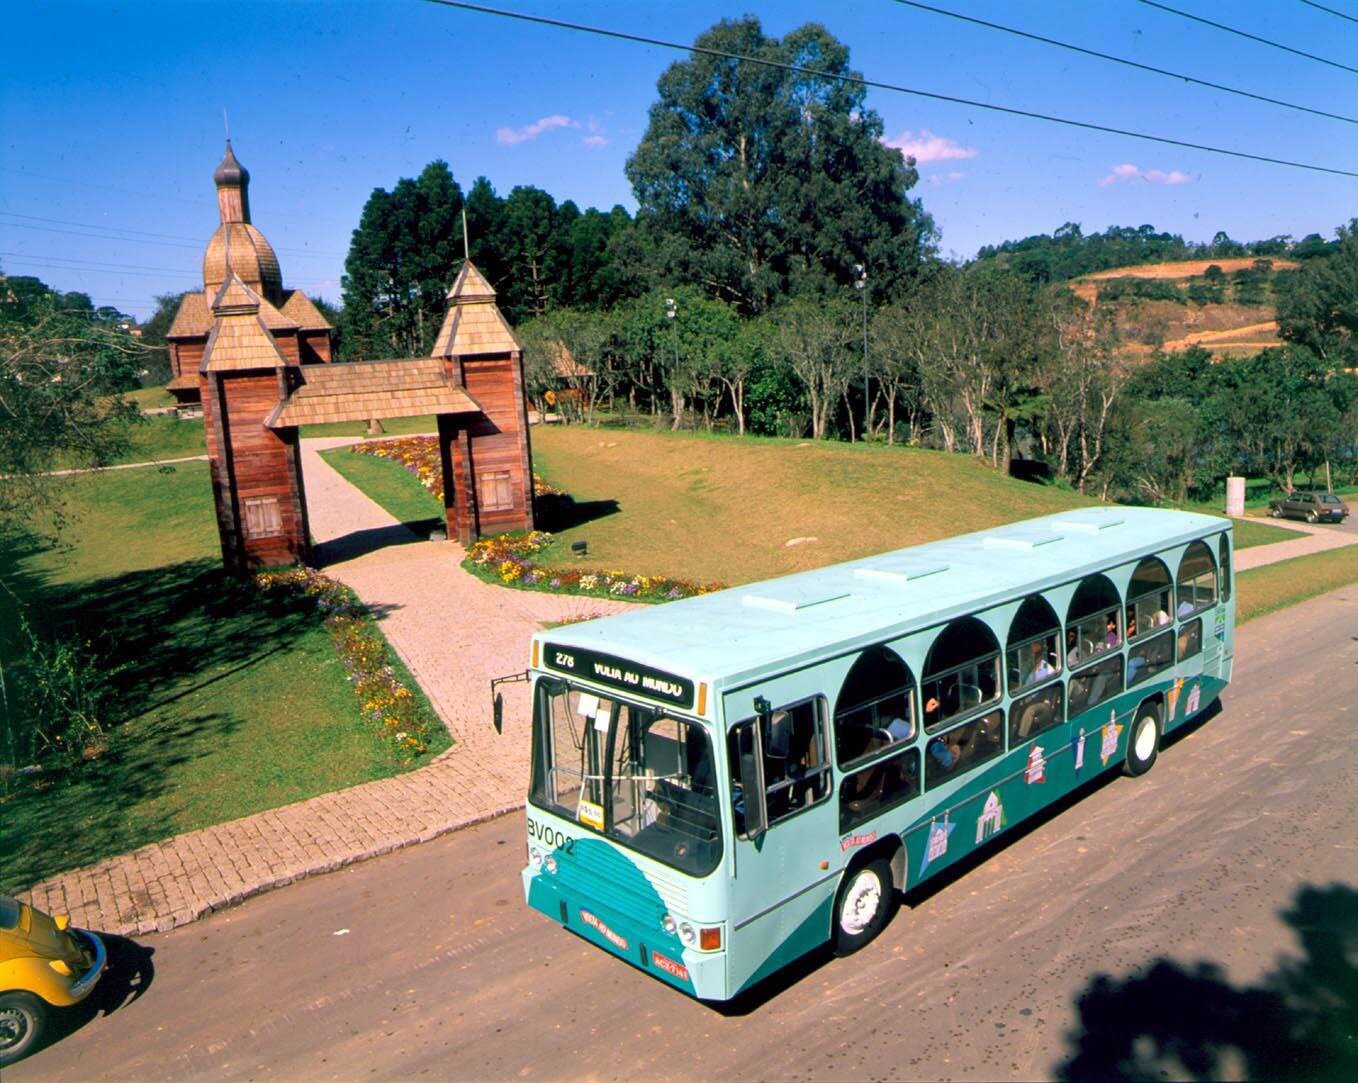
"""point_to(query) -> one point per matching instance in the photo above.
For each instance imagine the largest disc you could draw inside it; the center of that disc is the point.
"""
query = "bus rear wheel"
(866, 900)
(1143, 745)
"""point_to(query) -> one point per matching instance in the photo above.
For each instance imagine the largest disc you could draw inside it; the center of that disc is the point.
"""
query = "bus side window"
(963, 747)
(1190, 638)
(1036, 713)
(796, 766)
(1196, 583)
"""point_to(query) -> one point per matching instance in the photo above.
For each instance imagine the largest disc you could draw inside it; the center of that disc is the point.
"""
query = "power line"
(1331, 11)
(110, 234)
(858, 80)
(1128, 63)
(98, 263)
(1251, 37)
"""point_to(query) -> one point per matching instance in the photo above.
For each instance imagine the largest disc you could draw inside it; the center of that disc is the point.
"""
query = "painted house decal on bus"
(619, 673)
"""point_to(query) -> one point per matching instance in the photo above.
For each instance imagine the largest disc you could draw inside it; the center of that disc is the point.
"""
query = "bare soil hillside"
(1228, 330)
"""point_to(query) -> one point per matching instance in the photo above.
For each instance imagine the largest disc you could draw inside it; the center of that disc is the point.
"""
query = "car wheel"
(1276, 512)
(864, 905)
(22, 1019)
(1310, 517)
(1143, 745)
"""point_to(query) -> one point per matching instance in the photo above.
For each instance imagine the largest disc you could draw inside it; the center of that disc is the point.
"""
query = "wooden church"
(258, 358)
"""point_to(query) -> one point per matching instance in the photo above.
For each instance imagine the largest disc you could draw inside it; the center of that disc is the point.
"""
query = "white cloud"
(939, 179)
(927, 147)
(1129, 172)
(510, 136)
(595, 141)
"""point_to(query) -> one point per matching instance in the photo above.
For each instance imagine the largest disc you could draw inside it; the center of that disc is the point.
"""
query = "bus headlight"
(688, 934)
(549, 863)
(667, 923)
(534, 858)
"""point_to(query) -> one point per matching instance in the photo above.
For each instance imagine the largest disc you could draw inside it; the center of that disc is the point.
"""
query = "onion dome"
(231, 171)
(240, 249)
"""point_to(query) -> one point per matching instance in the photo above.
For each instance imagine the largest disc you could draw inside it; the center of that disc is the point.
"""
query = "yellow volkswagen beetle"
(44, 964)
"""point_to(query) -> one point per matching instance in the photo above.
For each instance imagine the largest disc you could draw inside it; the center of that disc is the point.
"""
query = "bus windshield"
(635, 774)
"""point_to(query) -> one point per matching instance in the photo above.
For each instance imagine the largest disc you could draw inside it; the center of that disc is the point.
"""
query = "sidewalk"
(454, 633)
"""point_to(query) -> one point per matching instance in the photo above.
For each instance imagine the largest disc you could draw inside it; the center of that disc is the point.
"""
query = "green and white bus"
(721, 784)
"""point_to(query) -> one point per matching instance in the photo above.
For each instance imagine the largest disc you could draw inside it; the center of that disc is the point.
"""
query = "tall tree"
(1319, 303)
(60, 371)
(401, 261)
(814, 337)
(757, 181)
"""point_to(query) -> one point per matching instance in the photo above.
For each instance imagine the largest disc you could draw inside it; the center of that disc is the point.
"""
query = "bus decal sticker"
(1175, 689)
(991, 821)
(669, 966)
(1109, 748)
(1194, 698)
(857, 840)
(937, 845)
(593, 921)
(1036, 770)
(1078, 744)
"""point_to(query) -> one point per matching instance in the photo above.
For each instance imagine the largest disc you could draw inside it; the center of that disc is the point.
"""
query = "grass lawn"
(1275, 586)
(150, 398)
(725, 509)
(153, 438)
(389, 484)
(395, 426)
(234, 701)
(1251, 532)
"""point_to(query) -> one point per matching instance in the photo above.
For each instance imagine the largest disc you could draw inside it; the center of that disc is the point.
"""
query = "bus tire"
(864, 905)
(1143, 743)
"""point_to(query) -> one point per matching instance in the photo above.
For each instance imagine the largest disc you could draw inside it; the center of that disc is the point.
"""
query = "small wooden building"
(262, 374)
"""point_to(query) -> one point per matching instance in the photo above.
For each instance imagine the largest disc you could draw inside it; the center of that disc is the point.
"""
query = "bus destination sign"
(619, 673)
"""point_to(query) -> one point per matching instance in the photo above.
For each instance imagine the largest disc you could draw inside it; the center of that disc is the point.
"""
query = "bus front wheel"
(864, 905)
(1143, 745)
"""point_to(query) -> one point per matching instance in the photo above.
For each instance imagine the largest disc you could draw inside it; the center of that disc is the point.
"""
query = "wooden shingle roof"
(240, 338)
(194, 317)
(298, 308)
(365, 390)
(241, 341)
(473, 324)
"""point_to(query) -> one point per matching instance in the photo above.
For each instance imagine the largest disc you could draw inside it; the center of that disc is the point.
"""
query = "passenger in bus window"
(1072, 647)
(898, 729)
(1110, 638)
(1042, 669)
(1185, 608)
(1162, 614)
(946, 752)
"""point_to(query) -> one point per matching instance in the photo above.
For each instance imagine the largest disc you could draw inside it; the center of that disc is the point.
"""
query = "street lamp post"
(861, 285)
(671, 311)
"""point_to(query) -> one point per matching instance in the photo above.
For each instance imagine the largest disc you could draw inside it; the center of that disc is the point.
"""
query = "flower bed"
(508, 558)
(418, 454)
(402, 718)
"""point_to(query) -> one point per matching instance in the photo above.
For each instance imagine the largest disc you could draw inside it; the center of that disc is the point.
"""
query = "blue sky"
(111, 118)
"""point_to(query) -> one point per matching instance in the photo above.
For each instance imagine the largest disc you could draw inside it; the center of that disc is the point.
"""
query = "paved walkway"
(455, 633)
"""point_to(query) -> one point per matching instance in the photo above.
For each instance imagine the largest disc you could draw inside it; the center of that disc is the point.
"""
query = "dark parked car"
(1313, 507)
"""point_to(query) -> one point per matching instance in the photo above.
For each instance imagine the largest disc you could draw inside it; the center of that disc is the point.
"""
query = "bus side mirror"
(752, 789)
(498, 712)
